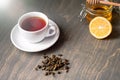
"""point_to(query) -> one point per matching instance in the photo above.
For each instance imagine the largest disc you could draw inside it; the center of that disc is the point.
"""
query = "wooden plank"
(90, 59)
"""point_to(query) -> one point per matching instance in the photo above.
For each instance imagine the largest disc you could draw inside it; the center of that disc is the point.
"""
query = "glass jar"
(91, 11)
(99, 10)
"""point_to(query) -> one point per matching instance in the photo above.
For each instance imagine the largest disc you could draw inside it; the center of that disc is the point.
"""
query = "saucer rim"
(17, 46)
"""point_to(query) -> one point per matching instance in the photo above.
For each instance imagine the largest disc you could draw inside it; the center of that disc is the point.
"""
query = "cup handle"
(51, 30)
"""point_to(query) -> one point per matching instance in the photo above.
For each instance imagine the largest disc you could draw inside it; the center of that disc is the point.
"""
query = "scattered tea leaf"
(54, 64)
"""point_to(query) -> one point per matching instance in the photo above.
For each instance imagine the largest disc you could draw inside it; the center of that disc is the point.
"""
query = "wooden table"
(90, 59)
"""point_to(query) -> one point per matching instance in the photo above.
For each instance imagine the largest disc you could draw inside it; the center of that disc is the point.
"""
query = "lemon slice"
(100, 27)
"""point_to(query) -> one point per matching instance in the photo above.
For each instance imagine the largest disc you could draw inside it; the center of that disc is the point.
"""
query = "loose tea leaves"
(53, 65)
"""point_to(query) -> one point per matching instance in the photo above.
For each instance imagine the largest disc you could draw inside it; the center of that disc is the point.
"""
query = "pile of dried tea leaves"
(54, 64)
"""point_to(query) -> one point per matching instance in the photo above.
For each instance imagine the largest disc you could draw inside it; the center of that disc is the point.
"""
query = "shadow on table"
(115, 26)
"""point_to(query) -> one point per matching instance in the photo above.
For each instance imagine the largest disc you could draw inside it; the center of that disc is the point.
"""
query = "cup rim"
(35, 16)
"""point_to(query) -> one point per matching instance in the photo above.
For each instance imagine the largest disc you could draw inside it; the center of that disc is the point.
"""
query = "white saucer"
(21, 44)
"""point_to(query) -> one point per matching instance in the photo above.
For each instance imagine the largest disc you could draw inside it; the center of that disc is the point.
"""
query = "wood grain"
(90, 59)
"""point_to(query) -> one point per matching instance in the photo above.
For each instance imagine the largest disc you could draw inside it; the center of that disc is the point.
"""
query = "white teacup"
(39, 34)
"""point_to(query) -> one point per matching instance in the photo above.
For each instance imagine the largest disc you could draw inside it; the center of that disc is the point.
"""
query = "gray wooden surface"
(90, 59)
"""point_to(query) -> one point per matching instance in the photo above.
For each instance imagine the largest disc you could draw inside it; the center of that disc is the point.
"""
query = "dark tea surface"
(33, 24)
